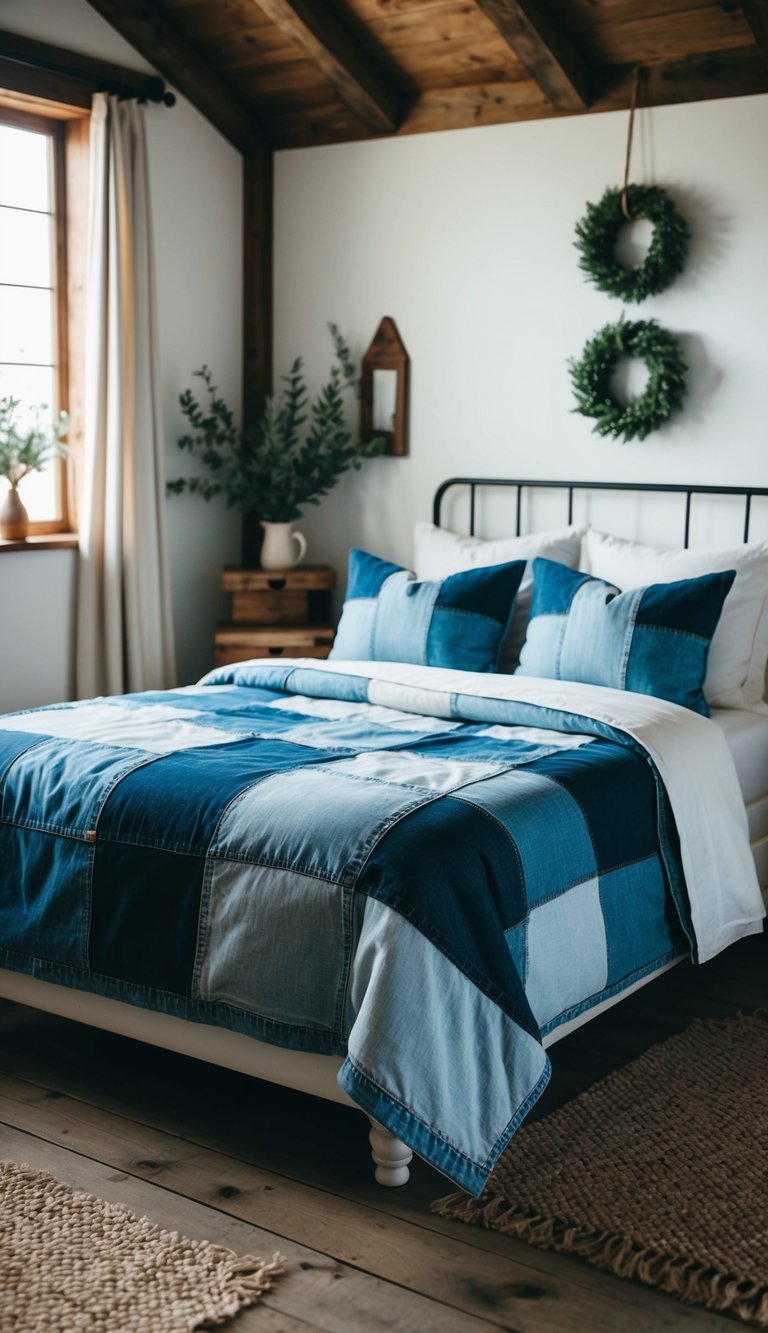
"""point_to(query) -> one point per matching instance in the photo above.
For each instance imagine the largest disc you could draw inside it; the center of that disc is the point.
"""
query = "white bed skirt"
(302, 1070)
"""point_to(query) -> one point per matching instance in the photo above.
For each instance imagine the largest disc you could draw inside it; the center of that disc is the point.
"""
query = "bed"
(343, 876)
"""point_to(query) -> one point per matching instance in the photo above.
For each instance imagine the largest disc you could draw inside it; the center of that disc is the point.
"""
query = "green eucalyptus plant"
(293, 455)
(28, 448)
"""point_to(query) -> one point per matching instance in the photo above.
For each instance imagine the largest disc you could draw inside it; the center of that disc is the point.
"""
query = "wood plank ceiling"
(301, 72)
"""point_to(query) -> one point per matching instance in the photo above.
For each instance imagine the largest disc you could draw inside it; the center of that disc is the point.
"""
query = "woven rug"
(659, 1172)
(71, 1261)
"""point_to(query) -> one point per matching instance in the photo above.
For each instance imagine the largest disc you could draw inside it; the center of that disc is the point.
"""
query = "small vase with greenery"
(23, 449)
(291, 457)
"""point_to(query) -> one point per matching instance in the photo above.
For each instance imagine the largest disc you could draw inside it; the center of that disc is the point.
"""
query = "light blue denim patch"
(591, 642)
(567, 951)
(322, 684)
(355, 636)
(434, 1040)
(299, 940)
(277, 821)
(596, 644)
(404, 615)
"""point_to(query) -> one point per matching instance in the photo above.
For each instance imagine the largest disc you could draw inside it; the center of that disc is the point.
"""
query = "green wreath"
(598, 232)
(593, 372)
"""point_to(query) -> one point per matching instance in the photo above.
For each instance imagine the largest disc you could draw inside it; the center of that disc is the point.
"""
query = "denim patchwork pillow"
(652, 640)
(390, 616)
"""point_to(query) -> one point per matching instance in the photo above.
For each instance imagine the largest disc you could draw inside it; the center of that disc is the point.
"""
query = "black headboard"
(476, 483)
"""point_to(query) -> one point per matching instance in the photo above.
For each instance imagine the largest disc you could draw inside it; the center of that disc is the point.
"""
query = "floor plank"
(296, 1170)
(323, 1293)
(442, 1266)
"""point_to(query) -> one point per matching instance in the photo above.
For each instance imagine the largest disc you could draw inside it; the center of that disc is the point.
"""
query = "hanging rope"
(630, 128)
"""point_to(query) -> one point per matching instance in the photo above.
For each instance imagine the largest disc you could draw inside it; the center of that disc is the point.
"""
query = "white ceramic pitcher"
(282, 548)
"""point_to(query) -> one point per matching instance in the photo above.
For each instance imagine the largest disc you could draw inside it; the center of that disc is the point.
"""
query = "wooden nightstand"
(276, 613)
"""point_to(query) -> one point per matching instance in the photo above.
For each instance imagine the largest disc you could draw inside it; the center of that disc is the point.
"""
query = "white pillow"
(737, 658)
(438, 552)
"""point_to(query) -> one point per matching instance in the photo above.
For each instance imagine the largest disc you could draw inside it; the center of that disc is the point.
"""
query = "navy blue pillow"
(459, 622)
(652, 640)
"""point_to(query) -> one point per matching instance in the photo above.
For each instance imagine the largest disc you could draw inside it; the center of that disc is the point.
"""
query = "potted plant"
(25, 448)
(293, 455)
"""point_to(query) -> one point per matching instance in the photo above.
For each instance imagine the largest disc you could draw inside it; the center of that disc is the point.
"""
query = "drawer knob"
(275, 652)
(276, 584)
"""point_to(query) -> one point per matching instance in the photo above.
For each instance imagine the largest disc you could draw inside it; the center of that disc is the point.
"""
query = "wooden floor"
(221, 1157)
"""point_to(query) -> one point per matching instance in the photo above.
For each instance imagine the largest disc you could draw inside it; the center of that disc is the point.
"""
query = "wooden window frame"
(68, 127)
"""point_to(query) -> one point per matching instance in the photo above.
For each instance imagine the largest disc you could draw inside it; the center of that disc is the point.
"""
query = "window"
(34, 317)
(43, 227)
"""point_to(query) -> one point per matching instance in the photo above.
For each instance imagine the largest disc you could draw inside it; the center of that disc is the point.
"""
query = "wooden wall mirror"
(384, 390)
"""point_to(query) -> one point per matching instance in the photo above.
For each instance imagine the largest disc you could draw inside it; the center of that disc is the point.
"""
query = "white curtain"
(124, 632)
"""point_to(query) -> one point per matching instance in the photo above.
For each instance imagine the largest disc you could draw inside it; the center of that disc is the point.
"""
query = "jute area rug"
(659, 1172)
(69, 1261)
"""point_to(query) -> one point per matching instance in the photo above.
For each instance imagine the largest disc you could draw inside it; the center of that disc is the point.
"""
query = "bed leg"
(391, 1156)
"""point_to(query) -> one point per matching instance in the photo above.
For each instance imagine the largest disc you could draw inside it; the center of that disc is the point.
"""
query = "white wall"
(196, 188)
(466, 239)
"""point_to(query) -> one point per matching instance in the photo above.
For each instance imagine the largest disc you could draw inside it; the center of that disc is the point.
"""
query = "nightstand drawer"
(239, 643)
(302, 578)
(298, 596)
(270, 608)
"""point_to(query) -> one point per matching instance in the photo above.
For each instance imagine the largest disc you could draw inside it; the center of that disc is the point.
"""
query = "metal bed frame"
(746, 493)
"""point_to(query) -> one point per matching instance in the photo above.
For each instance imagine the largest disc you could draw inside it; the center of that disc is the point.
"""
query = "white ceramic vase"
(282, 548)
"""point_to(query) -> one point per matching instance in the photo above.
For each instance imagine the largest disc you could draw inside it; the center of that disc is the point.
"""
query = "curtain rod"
(101, 74)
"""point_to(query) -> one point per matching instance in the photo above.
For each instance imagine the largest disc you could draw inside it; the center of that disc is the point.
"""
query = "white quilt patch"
(153, 727)
(536, 736)
(414, 770)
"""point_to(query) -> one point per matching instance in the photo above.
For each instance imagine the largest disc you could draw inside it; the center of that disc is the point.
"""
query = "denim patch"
(53, 918)
(439, 1040)
(651, 640)
(276, 822)
(567, 951)
(389, 616)
(545, 825)
(298, 928)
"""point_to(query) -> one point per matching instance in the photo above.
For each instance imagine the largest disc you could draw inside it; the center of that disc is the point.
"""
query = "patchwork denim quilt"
(427, 894)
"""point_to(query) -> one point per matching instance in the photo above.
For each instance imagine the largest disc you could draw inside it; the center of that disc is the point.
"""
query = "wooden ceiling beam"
(149, 30)
(333, 50)
(756, 14)
(544, 49)
(736, 72)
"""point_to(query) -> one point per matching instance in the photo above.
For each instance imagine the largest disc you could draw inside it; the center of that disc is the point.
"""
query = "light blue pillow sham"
(652, 640)
(460, 621)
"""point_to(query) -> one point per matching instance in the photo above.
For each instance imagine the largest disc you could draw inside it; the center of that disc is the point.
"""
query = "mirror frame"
(386, 352)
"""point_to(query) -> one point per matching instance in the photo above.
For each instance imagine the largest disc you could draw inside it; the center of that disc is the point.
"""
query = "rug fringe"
(687, 1279)
(245, 1278)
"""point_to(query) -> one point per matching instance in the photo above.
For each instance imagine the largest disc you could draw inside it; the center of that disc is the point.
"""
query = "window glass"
(26, 326)
(25, 168)
(26, 245)
(28, 358)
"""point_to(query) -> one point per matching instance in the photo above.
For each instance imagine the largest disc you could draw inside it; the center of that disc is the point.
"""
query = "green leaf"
(295, 453)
